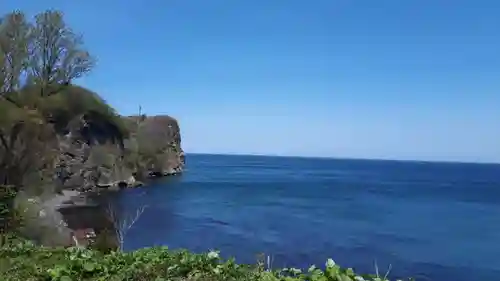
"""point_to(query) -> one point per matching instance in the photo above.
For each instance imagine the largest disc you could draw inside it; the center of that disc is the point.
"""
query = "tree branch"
(123, 224)
(3, 140)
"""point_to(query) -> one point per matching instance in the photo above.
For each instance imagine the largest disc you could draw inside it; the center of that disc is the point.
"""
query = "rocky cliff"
(157, 141)
(99, 159)
(94, 150)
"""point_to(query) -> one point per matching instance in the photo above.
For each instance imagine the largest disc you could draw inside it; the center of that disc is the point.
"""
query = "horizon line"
(345, 158)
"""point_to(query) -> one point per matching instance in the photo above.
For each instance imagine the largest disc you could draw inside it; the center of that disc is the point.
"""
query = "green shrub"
(9, 219)
(25, 261)
(74, 101)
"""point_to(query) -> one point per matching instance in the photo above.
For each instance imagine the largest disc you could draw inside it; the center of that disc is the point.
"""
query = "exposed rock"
(53, 221)
(157, 140)
(87, 162)
(95, 150)
(84, 166)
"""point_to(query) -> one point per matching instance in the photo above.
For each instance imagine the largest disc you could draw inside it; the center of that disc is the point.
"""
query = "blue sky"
(413, 79)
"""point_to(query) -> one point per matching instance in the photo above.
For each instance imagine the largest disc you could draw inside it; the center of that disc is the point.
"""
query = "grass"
(22, 260)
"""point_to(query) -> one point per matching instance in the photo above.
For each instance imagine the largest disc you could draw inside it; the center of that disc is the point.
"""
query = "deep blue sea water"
(432, 221)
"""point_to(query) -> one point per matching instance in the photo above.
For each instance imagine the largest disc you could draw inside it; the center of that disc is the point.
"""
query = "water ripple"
(430, 220)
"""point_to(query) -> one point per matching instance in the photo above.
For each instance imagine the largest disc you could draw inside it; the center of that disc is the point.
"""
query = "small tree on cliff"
(37, 59)
(123, 221)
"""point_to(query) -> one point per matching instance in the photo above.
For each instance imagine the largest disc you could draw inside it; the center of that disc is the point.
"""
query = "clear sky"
(412, 79)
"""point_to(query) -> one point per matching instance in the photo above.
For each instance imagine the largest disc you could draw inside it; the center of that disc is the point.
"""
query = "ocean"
(431, 221)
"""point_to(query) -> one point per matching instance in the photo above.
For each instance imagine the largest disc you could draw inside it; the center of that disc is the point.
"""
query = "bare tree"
(14, 54)
(47, 53)
(56, 53)
(42, 57)
(123, 223)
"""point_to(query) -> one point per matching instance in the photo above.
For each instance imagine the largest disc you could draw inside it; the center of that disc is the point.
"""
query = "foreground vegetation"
(22, 260)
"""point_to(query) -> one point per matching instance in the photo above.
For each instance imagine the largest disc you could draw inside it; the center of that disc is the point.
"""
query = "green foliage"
(75, 101)
(7, 215)
(25, 261)
(105, 242)
(26, 147)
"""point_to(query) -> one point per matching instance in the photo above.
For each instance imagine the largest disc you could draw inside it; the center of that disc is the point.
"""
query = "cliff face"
(155, 145)
(91, 158)
(94, 150)
(90, 163)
